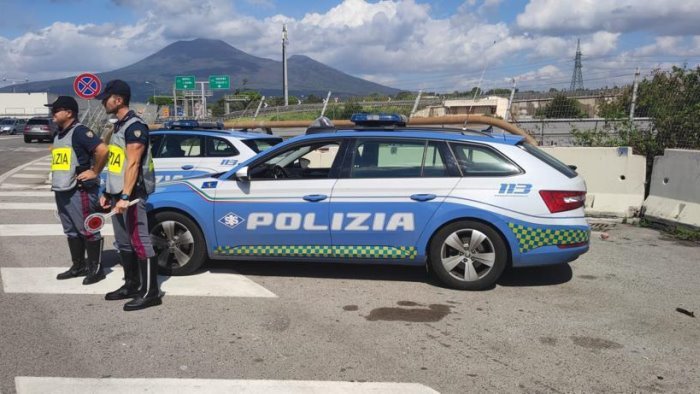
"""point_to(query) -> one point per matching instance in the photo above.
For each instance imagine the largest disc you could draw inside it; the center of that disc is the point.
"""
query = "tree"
(351, 107)
(672, 100)
(561, 107)
(160, 100)
(313, 99)
(404, 95)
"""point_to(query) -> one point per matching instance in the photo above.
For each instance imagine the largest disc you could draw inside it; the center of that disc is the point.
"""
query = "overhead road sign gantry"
(219, 82)
(185, 82)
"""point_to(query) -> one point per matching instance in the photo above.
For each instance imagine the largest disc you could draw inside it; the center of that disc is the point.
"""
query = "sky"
(434, 46)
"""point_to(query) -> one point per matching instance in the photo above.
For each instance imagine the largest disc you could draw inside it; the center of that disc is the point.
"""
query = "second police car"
(187, 148)
(465, 204)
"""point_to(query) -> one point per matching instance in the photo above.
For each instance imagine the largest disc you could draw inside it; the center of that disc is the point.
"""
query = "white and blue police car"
(465, 204)
(186, 148)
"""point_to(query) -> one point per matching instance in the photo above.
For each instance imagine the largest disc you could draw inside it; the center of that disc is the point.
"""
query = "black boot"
(94, 262)
(77, 255)
(130, 289)
(150, 294)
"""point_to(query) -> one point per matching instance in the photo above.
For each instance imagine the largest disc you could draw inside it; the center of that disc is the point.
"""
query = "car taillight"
(26, 128)
(560, 201)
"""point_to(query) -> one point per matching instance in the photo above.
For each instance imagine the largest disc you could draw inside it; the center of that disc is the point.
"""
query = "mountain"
(204, 57)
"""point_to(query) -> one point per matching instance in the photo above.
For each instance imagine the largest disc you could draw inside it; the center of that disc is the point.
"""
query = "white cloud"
(576, 16)
(396, 42)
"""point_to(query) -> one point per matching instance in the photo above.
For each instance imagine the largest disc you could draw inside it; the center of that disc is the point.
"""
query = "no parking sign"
(87, 86)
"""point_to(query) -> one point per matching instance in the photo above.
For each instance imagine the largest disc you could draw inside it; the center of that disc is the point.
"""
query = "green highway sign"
(184, 82)
(219, 82)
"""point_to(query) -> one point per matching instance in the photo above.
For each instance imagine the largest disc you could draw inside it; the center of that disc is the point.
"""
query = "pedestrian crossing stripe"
(339, 251)
(530, 238)
(38, 384)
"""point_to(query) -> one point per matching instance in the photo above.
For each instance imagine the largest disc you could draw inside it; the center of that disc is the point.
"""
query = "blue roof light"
(381, 120)
(191, 124)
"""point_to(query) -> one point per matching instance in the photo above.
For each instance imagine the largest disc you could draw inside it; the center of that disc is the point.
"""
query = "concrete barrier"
(674, 193)
(614, 177)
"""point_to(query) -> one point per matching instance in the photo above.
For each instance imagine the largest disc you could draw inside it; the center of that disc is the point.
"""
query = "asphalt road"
(604, 323)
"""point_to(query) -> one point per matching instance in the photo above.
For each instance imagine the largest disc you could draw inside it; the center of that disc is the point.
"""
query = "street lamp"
(5, 79)
(154, 90)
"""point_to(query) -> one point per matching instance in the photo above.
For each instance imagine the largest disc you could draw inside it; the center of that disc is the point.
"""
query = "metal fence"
(654, 111)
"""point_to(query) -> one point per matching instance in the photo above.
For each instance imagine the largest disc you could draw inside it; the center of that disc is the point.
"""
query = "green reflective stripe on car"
(354, 251)
(530, 238)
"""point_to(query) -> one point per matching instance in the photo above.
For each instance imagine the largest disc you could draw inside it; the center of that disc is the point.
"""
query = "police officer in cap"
(129, 177)
(78, 156)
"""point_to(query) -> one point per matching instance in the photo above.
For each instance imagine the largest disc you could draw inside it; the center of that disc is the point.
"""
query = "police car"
(466, 204)
(185, 152)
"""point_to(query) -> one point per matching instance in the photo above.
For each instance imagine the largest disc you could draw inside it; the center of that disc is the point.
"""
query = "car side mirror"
(242, 175)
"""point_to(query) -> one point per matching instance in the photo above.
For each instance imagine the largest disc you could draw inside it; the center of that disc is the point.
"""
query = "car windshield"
(260, 144)
(7, 121)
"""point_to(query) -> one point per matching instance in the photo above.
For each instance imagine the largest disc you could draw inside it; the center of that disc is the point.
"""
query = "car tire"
(27, 139)
(459, 264)
(178, 243)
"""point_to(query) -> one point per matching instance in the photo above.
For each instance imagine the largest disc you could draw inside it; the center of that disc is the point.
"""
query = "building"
(491, 105)
(24, 105)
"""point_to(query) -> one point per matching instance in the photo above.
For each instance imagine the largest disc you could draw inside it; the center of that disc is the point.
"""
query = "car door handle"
(315, 197)
(423, 197)
(187, 167)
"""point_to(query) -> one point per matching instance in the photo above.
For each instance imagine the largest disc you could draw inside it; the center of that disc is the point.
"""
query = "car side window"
(309, 161)
(180, 146)
(373, 158)
(155, 141)
(219, 147)
(477, 160)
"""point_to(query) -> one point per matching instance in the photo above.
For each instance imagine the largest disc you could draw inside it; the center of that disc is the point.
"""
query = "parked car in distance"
(39, 128)
(12, 126)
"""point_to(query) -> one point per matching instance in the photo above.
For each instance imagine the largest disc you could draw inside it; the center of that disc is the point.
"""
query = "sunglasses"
(57, 110)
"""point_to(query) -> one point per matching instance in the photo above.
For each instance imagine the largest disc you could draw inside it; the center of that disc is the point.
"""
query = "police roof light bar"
(94, 222)
(378, 120)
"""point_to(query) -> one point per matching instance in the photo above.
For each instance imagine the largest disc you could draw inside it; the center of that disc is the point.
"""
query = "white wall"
(614, 177)
(24, 104)
(674, 193)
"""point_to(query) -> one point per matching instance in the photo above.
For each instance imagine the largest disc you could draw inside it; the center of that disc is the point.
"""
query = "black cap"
(65, 102)
(115, 86)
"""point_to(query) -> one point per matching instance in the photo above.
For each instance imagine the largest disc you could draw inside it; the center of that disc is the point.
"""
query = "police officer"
(78, 156)
(130, 176)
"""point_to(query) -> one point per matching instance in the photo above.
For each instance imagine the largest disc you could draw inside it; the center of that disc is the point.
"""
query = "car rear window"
(38, 121)
(549, 159)
(260, 144)
(476, 160)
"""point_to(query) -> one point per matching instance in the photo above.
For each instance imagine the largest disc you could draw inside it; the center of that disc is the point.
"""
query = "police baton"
(94, 222)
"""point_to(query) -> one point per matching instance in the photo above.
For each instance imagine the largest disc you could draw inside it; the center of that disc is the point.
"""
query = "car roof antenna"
(478, 86)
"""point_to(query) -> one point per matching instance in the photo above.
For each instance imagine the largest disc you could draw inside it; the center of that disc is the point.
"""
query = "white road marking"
(27, 194)
(19, 168)
(41, 230)
(32, 385)
(35, 206)
(30, 176)
(206, 284)
(45, 168)
(25, 186)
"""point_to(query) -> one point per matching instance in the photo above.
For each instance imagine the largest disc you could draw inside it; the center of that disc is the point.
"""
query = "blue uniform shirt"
(136, 133)
(84, 143)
